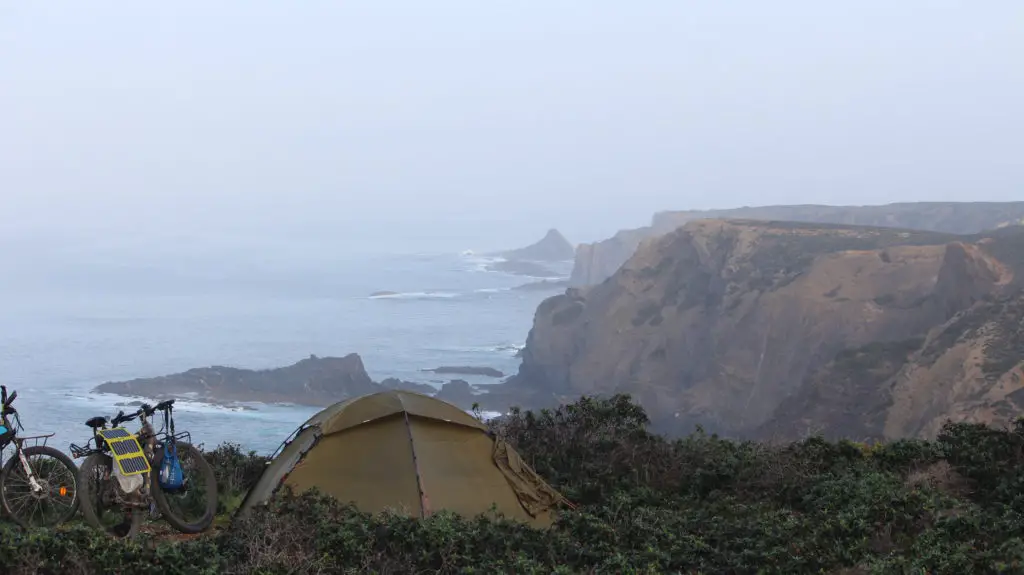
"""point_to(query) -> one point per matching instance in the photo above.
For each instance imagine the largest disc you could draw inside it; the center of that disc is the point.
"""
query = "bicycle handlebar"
(7, 400)
(144, 409)
(122, 417)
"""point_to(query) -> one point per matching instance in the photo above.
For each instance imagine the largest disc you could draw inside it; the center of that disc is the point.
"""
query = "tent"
(410, 453)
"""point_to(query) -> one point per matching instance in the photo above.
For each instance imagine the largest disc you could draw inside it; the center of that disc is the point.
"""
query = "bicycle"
(117, 474)
(51, 483)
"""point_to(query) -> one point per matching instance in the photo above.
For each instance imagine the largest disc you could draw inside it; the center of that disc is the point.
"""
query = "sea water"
(72, 322)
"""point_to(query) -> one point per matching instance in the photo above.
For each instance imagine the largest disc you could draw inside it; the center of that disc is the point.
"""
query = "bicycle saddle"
(98, 421)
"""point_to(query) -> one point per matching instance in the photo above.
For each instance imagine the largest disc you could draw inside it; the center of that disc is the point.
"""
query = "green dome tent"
(409, 453)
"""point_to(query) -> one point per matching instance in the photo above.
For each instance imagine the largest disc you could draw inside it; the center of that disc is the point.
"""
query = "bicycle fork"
(36, 487)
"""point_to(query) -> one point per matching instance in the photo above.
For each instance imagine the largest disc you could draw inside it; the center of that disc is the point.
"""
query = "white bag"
(129, 483)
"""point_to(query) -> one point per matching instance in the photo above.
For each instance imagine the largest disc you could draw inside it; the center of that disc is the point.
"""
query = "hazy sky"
(433, 122)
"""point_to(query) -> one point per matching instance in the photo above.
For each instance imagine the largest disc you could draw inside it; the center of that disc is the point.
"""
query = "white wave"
(509, 348)
(492, 290)
(415, 295)
(185, 404)
(480, 263)
(470, 256)
(544, 278)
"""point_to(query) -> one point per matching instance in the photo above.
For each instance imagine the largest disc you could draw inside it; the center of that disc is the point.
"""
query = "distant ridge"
(596, 262)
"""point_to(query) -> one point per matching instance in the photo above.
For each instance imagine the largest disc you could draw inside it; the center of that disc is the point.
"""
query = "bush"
(236, 473)
(645, 504)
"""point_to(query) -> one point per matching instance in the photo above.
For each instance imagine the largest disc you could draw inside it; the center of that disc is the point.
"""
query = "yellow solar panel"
(126, 450)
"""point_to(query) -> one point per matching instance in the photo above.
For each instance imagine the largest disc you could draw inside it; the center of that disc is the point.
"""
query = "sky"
(461, 124)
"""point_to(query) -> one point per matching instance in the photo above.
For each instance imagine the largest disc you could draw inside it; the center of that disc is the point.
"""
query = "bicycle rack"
(34, 440)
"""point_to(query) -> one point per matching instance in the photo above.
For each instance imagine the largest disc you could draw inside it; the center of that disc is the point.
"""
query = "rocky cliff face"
(721, 323)
(970, 368)
(598, 261)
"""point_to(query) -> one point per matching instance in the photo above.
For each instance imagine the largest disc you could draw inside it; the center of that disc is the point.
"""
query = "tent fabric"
(411, 454)
(534, 494)
(378, 405)
(386, 478)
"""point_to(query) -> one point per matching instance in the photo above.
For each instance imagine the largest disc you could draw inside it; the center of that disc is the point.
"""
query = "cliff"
(969, 369)
(719, 323)
(598, 261)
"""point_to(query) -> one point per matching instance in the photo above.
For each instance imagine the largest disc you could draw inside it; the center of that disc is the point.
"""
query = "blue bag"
(170, 470)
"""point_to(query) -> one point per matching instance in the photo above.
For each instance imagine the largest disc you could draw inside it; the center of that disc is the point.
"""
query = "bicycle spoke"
(40, 508)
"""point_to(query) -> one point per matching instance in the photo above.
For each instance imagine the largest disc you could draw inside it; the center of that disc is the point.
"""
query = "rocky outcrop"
(553, 247)
(467, 370)
(970, 369)
(458, 392)
(598, 261)
(543, 285)
(719, 323)
(523, 268)
(312, 381)
(402, 385)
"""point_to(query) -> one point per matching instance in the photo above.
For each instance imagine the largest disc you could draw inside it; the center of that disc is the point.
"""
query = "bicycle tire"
(87, 499)
(60, 457)
(208, 477)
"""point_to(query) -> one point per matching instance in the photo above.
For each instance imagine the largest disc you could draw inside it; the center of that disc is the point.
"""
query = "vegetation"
(645, 504)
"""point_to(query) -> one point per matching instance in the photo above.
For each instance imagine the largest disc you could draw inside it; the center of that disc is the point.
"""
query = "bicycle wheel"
(99, 506)
(198, 496)
(55, 503)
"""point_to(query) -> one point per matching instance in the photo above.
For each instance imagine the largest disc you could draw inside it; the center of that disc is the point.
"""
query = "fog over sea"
(74, 318)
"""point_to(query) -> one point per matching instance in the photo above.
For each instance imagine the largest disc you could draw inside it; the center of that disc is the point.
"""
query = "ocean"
(74, 319)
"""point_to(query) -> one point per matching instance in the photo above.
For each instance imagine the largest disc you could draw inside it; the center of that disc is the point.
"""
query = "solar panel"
(124, 447)
(134, 464)
(127, 452)
(115, 433)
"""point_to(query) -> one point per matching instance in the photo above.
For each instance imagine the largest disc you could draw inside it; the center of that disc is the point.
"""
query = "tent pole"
(424, 503)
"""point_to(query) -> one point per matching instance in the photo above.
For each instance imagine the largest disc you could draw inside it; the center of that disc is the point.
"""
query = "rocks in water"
(399, 384)
(553, 247)
(544, 285)
(313, 381)
(522, 268)
(458, 392)
(536, 260)
(467, 370)
(234, 406)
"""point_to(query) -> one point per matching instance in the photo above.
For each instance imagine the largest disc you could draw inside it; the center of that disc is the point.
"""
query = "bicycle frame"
(5, 412)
